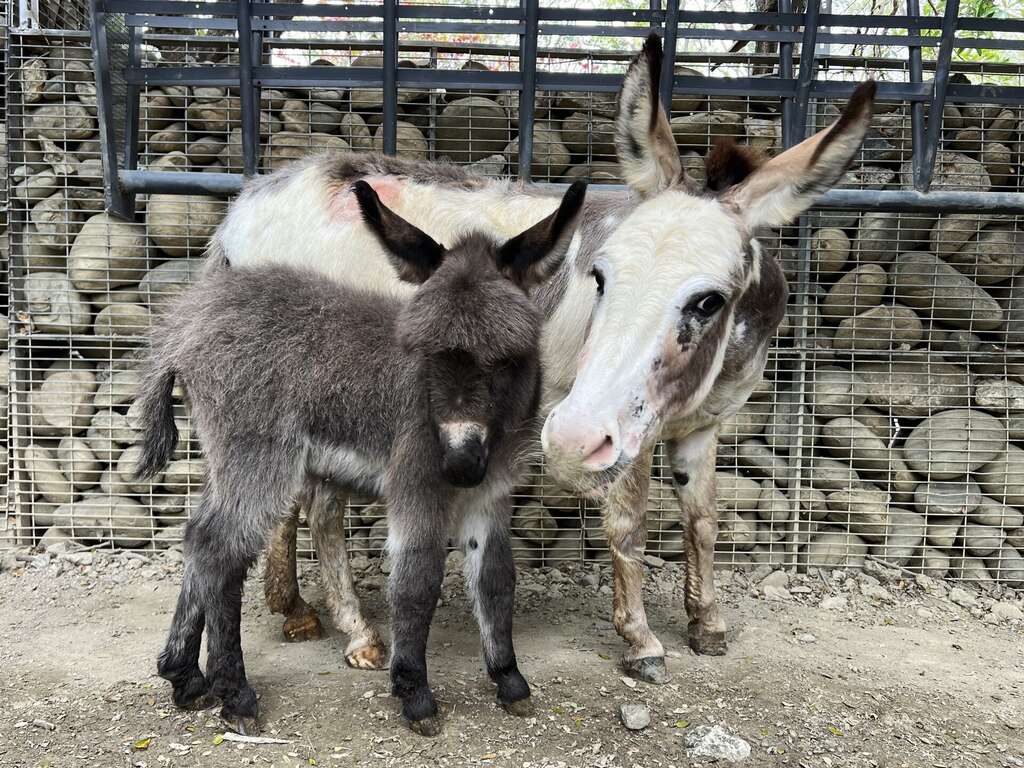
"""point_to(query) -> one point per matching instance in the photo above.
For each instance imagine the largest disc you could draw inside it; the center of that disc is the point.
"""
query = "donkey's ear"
(647, 151)
(533, 256)
(790, 183)
(413, 253)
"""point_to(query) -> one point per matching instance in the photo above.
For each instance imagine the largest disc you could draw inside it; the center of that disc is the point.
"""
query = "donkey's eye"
(706, 304)
(599, 278)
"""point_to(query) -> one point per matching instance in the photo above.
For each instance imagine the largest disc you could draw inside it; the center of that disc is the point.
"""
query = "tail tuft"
(159, 432)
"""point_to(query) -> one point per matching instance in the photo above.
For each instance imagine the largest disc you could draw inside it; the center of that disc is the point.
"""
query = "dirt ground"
(829, 670)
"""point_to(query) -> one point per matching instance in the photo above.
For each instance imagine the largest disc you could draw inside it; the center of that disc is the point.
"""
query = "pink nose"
(581, 441)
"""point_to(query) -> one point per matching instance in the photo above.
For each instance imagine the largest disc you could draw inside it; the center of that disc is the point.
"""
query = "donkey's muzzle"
(465, 465)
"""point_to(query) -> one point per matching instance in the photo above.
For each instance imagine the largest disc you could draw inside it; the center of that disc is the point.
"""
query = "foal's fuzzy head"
(472, 323)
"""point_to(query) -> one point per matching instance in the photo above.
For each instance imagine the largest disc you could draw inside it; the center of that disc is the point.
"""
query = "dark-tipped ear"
(531, 257)
(413, 253)
(644, 143)
(790, 183)
(728, 164)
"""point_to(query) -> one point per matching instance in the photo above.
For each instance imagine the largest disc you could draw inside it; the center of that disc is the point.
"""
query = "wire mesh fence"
(889, 424)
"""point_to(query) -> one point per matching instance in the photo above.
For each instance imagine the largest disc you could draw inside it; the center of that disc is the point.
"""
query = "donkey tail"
(159, 432)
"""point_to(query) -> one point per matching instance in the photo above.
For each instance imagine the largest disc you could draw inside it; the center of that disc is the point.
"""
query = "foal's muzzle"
(464, 454)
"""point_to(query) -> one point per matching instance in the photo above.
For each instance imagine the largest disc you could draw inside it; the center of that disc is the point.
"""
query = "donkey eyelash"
(706, 304)
(599, 278)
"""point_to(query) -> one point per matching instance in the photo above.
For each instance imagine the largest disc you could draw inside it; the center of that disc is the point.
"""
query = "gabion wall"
(890, 422)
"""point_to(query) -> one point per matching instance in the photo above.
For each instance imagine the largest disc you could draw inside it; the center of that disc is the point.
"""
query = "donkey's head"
(472, 324)
(672, 273)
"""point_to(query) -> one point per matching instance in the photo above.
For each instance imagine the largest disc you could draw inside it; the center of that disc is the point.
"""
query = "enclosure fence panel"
(890, 421)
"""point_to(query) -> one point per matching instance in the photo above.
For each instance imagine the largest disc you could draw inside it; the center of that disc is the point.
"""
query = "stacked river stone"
(890, 423)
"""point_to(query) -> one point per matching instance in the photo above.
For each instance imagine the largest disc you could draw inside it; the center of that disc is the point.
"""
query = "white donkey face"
(672, 274)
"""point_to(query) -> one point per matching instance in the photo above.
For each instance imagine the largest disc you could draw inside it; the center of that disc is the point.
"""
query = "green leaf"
(218, 739)
(834, 731)
(141, 744)
(682, 723)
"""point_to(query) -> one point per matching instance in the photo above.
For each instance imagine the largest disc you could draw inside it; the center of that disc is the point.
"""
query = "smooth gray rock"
(914, 387)
(69, 121)
(164, 282)
(923, 281)
(410, 142)
(63, 403)
(836, 391)
(47, 478)
(906, 533)
(991, 512)
(472, 128)
(863, 511)
(77, 462)
(182, 224)
(830, 249)
(947, 498)
(1007, 566)
(736, 493)
(590, 136)
(1003, 477)
(949, 444)
(879, 328)
(981, 540)
(550, 156)
(54, 305)
(534, 523)
(833, 547)
(286, 147)
(635, 716)
(699, 130)
(857, 290)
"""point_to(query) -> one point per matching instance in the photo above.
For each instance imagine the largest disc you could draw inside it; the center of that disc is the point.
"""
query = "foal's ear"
(413, 253)
(790, 183)
(646, 149)
(531, 257)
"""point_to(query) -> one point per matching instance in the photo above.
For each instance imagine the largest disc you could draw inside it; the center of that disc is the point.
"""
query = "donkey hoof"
(303, 627)
(243, 725)
(521, 708)
(206, 700)
(649, 669)
(428, 726)
(707, 643)
(371, 656)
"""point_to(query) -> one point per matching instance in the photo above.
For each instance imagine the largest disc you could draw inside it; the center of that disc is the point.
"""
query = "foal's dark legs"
(491, 577)
(415, 586)
(211, 594)
(179, 660)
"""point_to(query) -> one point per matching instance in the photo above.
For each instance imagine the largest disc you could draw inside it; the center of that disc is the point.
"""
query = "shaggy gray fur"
(295, 380)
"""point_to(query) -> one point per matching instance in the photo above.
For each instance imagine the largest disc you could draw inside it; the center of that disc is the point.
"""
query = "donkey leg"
(179, 661)
(414, 589)
(693, 473)
(281, 583)
(491, 576)
(626, 526)
(365, 648)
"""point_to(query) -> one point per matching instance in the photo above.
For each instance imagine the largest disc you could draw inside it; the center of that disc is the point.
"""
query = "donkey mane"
(729, 163)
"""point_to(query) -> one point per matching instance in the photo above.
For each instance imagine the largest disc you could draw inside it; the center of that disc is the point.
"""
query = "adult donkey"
(657, 326)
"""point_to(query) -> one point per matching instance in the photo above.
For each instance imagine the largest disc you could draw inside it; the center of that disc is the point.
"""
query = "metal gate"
(890, 419)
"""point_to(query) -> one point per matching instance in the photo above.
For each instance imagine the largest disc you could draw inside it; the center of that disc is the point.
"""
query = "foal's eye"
(706, 304)
(599, 278)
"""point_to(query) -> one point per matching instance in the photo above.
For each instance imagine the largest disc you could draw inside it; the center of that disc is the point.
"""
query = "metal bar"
(131, 104)
(181, 182)
(668, 69)
(390, 54)
(182, 76)
(116, 200)
(838, 199)
(172, 7)
(916, 108)
(805, 78)
(933, 131)
(786, 73)
(528, 72)
(250, 109)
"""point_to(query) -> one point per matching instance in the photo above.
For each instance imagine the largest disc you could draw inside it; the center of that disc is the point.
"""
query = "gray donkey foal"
(295, 380)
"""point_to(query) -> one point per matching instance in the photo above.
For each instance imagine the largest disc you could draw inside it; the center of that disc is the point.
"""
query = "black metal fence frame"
(253, 21)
